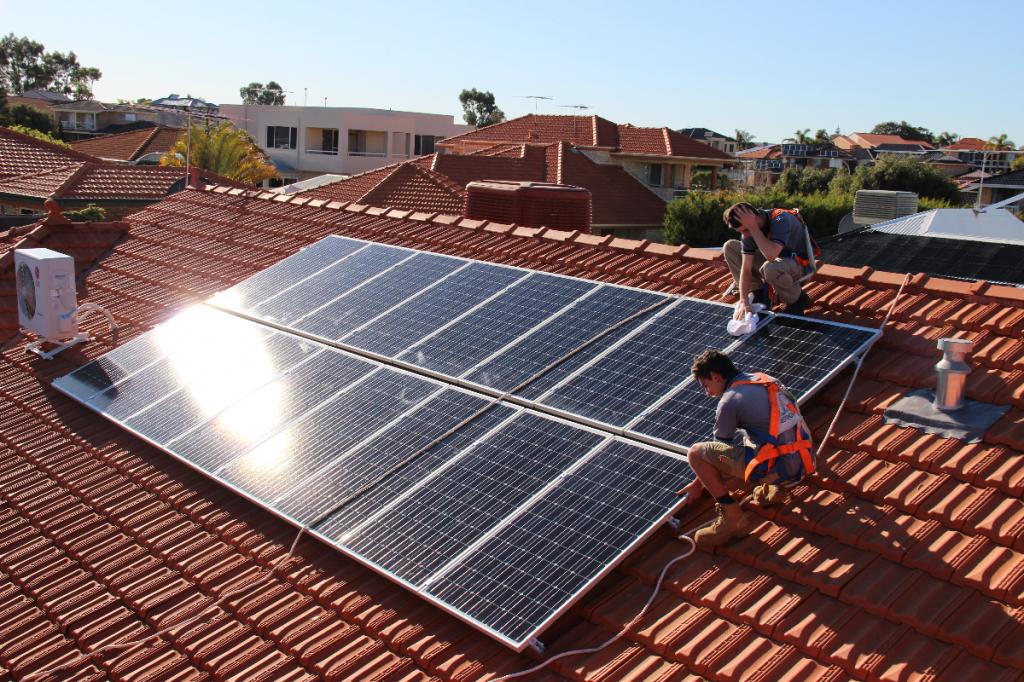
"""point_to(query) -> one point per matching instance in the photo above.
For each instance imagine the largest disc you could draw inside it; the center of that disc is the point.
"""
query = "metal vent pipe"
(952, 373)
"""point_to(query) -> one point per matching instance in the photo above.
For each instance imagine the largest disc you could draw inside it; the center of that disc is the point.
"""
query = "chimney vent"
(952, 373)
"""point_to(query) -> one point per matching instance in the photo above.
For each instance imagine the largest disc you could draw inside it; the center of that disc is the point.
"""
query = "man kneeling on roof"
(760, 438)
(772, 252)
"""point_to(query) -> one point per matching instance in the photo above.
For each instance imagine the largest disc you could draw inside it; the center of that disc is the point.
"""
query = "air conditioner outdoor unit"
(47, 300)
(878, 205)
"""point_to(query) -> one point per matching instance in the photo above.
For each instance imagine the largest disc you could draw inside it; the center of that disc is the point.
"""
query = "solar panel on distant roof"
(306, 388)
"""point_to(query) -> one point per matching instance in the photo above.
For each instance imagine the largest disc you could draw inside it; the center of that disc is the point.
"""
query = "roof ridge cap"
(146, 140)
(668, 140)
(380, 182)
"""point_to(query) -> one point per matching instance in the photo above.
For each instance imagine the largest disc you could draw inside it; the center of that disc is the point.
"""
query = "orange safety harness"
(772, 449)
(815, 249)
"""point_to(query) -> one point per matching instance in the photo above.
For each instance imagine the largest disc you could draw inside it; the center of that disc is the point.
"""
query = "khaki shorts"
(732, 460)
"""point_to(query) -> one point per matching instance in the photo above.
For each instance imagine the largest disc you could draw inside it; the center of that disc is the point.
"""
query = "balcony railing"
(380, 154)
(328, 152)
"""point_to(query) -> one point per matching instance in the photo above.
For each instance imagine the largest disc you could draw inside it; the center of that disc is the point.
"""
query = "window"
(367, 143)
(399, 144)
(281, 182)
(130, 118)
(425, 144)
(281, 137)
(321, 141)
(654, 175)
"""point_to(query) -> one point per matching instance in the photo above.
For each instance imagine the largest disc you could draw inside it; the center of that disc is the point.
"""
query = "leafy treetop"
(25, 65)
(479, 108)
(904, 130)
(257, 93)
(222, 149)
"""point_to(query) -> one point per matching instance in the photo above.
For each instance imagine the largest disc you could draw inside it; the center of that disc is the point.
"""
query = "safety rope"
(621, 633)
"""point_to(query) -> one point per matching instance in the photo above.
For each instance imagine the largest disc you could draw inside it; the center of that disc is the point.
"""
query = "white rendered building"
(304, 142)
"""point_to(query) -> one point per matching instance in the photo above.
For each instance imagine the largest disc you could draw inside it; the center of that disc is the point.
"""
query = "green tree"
(1001, 142)
(25, 65)
(821, 136)
(29, 117)
(88, 213)
(904, 130)
(944, 139)
(222, 149)
(795, 180)
(38, 134)
(1017, 164)
(702, 180)
(479, 109)
(906, 174)
(800, 137)
(744, 140)
(257, 93)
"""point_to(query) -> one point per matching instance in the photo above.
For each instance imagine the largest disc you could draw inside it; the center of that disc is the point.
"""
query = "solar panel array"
(493, 438)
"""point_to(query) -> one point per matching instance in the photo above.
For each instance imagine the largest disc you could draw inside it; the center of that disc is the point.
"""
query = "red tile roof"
(131, 145)
(902, 558)
(96, 181)
(590, 131)
(968, 144)
(875, 140)
(22, 154)
(617, 197)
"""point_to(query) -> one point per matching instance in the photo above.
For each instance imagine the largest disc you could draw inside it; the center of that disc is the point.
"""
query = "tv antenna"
(535, 99)
(579, 109)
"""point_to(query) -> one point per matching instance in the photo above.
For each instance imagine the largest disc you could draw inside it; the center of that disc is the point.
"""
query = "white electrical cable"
(636, 619)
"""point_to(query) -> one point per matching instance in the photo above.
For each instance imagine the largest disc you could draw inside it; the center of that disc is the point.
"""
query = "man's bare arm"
(770, 249)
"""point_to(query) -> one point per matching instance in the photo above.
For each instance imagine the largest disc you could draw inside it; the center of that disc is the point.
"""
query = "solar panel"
(633, 375)
(364, 392)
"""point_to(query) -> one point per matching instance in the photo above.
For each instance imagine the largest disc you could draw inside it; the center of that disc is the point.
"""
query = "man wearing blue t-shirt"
(772, 250)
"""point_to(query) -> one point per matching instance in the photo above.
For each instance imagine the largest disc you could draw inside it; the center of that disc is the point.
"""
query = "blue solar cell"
(632, 377)
(581, 323)
(436, 307)
(267, 411)
(330, 283)
(493, 326)
(548, 553)
(287, 272)
(357, 307)
(447, 513)
(377, 472)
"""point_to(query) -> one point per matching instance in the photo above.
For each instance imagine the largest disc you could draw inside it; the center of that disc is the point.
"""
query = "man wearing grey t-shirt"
(760, 438)
(772, 251)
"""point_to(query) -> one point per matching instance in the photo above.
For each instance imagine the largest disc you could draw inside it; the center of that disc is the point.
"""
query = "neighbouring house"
(950, 164)
(25, 155)
(660, 158)
(42, 100)
(620, 204)
(763, 165)
(998, 188)
(185, 104)
(876, 144)
(900, 558)
(303, 142)
(976, 152)
(117, 188)
(89, 118)
(721, 142)
(144, 146)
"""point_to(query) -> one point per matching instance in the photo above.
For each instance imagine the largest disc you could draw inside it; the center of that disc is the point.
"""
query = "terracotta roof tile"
(900, 559)
(23, 154)
(131, 145)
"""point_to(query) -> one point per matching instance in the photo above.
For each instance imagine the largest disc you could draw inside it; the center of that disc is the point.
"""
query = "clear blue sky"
(767, 67)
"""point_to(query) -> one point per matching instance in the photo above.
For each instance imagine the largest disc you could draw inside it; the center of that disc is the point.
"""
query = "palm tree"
(744, 140)
(800, 137)
(1000, 142)
(224, 150)
(822, 137)
(944, 139)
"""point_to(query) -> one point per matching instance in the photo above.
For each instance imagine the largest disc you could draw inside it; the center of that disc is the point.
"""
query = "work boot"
(731, 523)
(769, 494)
(798, 306)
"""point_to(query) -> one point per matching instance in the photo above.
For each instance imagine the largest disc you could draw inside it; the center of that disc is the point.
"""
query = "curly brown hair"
(715, 361)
